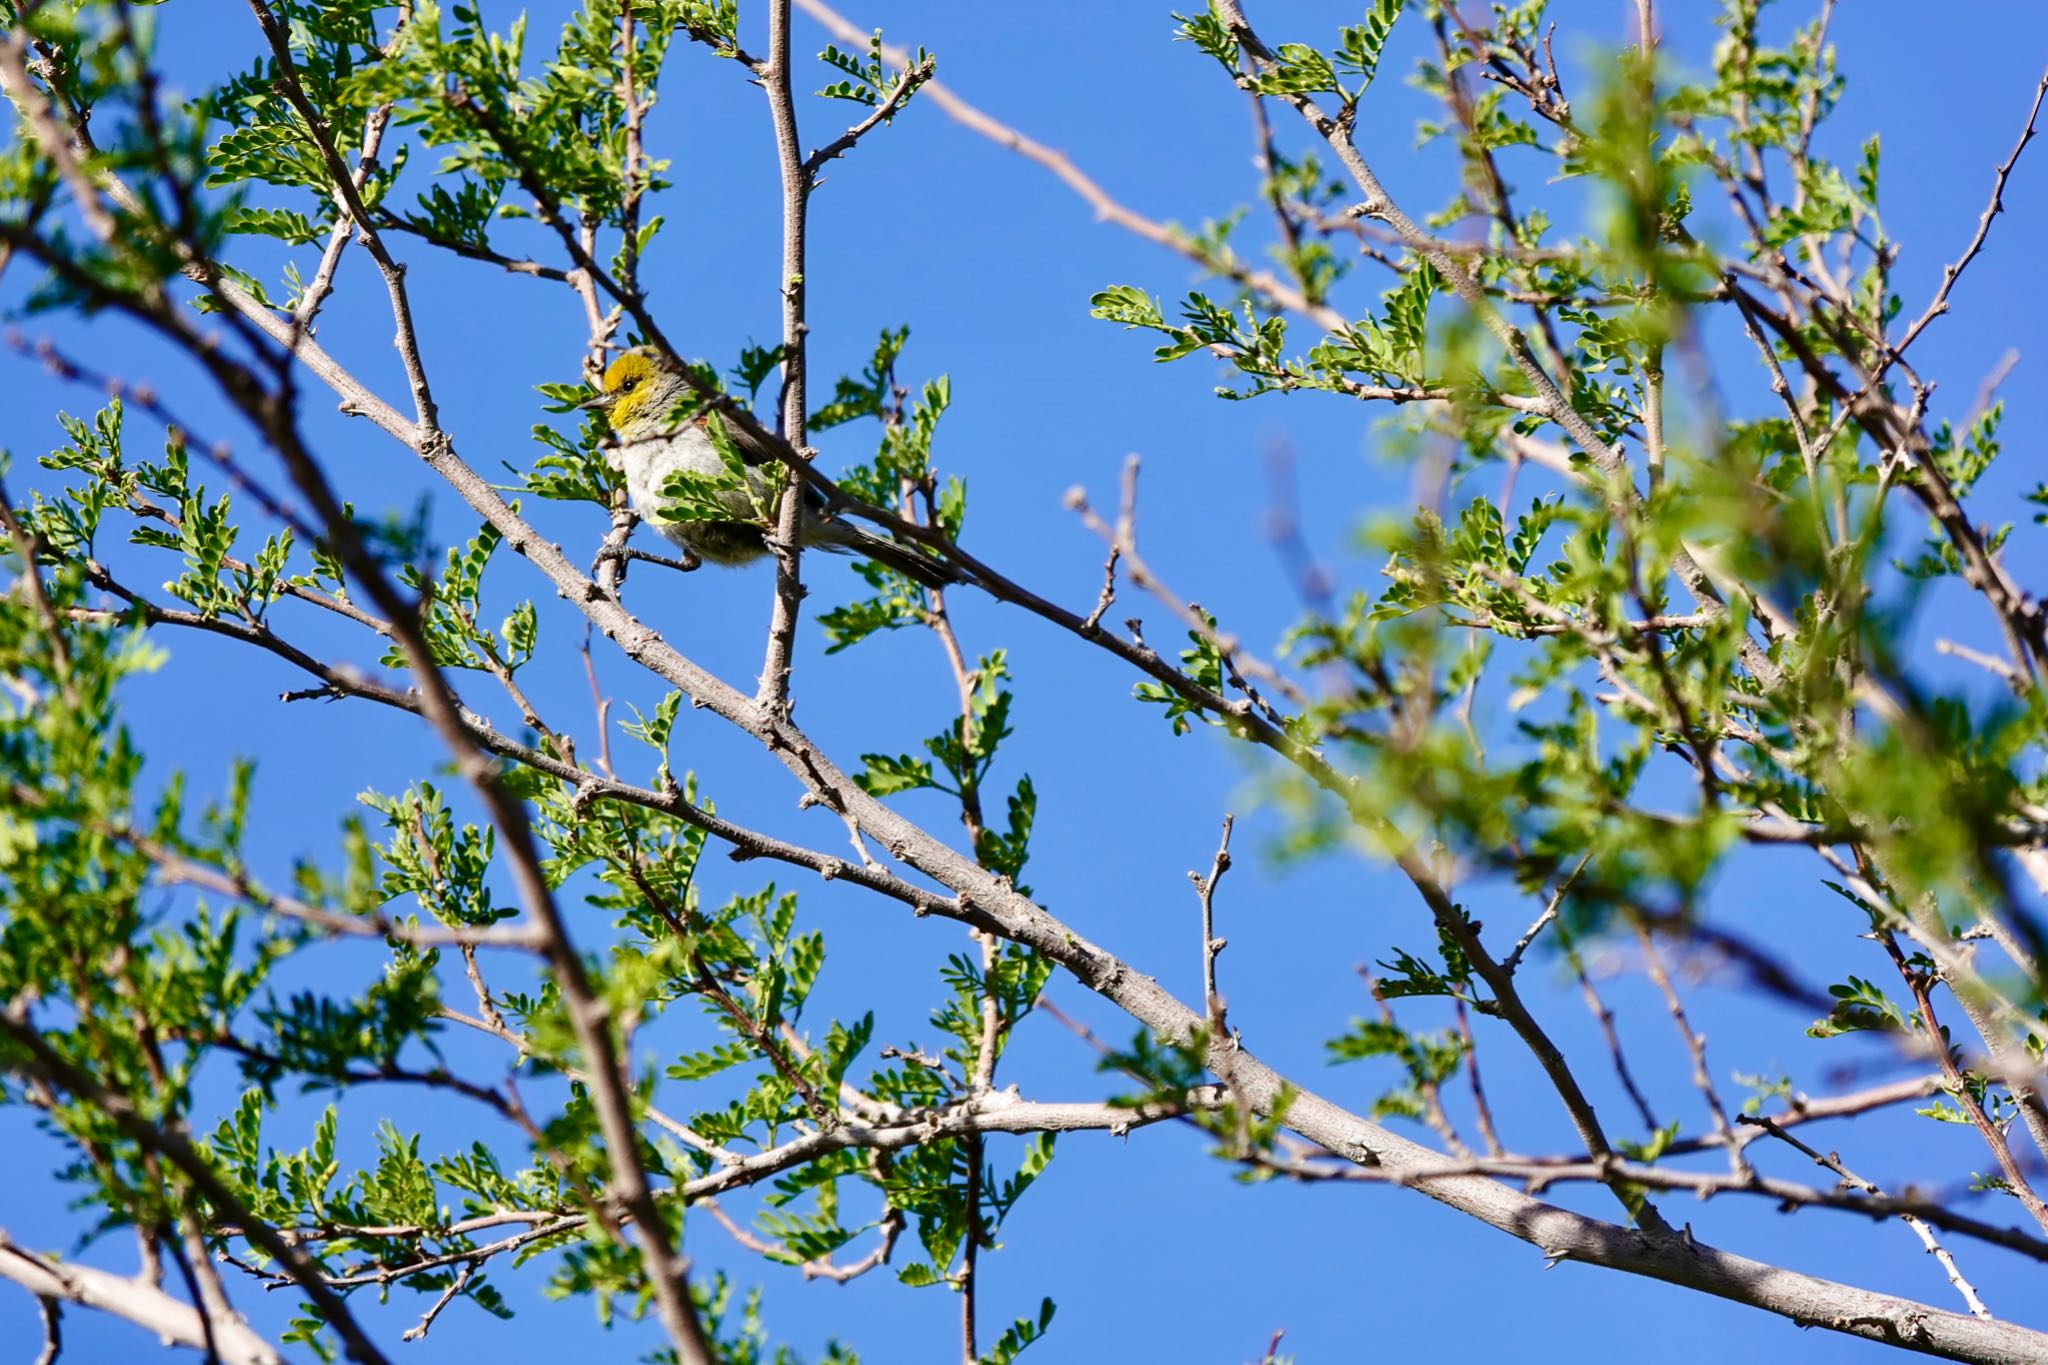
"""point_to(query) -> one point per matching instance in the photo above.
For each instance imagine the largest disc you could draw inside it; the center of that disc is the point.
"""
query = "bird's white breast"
(648, 462)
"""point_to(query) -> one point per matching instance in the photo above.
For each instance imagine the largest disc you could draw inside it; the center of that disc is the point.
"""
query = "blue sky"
(1151, 1250)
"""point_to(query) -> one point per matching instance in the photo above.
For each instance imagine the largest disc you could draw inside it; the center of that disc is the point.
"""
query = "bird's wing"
(760, 454)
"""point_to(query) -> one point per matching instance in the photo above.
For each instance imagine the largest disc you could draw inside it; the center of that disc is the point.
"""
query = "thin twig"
(1920, 1229)
(1603, 1014)
(1953, 272)
(51, 1310)
(1696, 1048)
(1205, 891)
(419, 1330)
(1513, 960)
(1482, 1111)
(906, 84)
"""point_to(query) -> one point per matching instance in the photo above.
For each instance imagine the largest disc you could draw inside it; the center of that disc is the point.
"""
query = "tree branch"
(133, 1300)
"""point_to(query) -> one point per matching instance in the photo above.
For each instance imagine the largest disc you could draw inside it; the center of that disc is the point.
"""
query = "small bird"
(638, 395)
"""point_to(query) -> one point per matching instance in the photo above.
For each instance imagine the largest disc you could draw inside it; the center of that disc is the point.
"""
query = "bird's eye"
(630, 384)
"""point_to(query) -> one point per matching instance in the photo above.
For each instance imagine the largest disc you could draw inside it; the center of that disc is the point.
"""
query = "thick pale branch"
(134, 1300)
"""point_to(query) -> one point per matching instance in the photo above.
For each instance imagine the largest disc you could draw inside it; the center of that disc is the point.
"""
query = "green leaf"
(284, 224)
(1654, 1146)
(848, 625)
(1018, 1335)
(885, 776)
(695, 1066)
(1860, 1006)
(1127, 304)
(1359, 45)
(1299, 70)
(1211, 35)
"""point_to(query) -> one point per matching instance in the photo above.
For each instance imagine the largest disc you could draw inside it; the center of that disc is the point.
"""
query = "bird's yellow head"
(637, 391)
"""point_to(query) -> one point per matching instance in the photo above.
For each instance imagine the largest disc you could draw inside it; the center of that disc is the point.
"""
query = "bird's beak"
(597, 404)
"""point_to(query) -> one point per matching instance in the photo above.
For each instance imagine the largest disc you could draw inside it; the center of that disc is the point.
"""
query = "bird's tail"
(839, 534)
